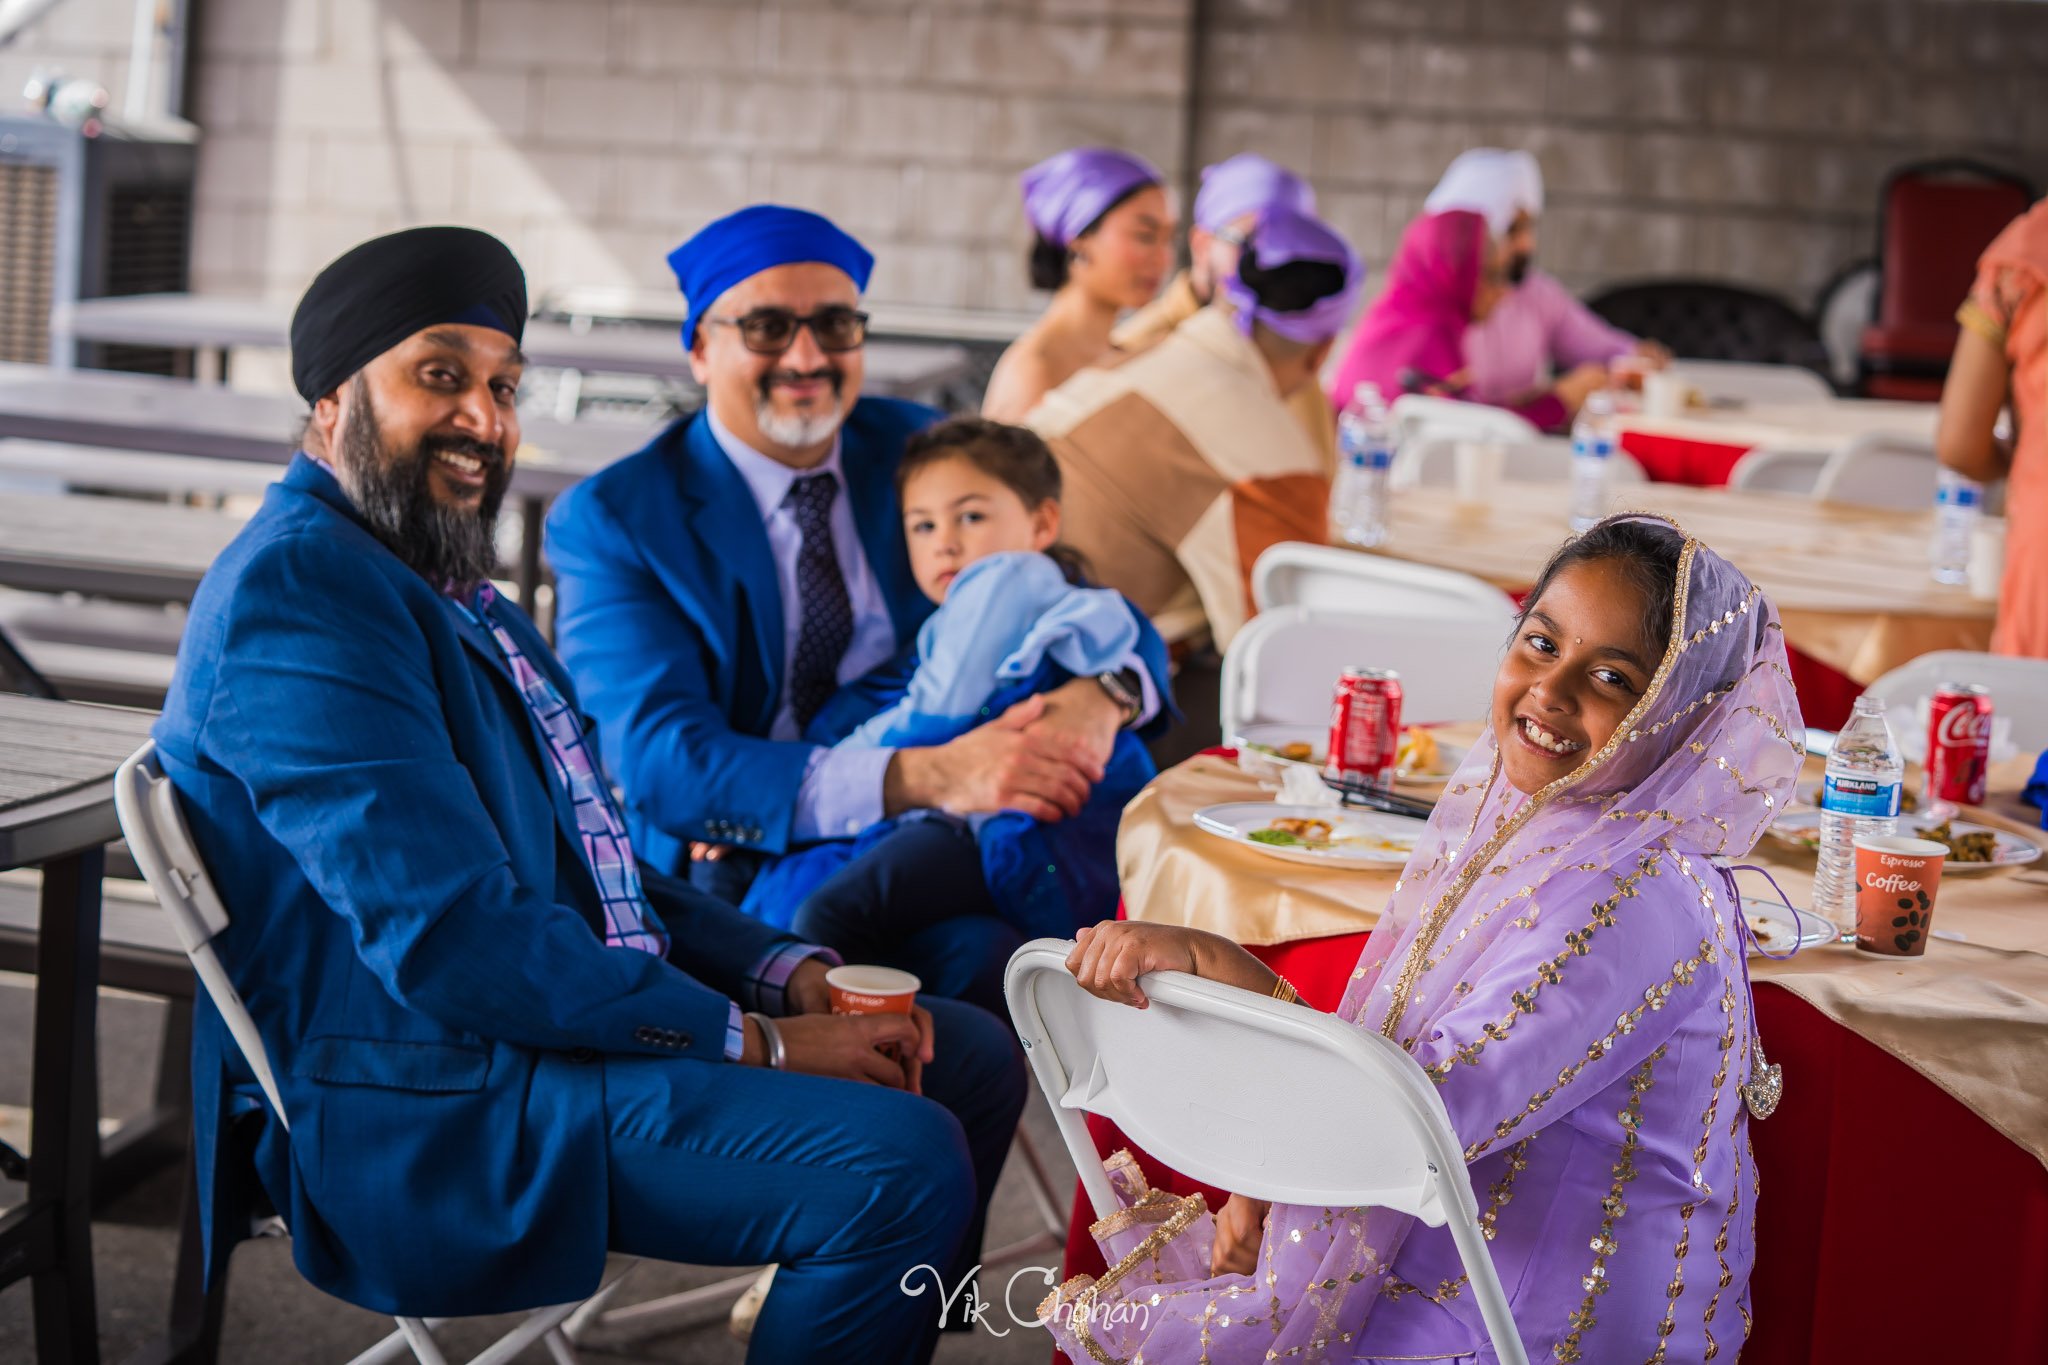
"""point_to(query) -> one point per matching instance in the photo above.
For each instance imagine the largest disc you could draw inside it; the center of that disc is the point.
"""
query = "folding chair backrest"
(1272, 1101)
(1764, 470)
(1297, 574)
(147, 805)
(1878, 470)
(2019, 689)
(1283, 666)
(1752, 382)
(1421, 416)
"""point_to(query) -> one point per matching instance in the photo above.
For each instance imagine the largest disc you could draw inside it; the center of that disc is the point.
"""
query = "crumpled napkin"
(1304, 786)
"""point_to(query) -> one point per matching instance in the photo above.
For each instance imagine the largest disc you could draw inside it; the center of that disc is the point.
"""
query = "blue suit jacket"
(411, 925)
(670, 615)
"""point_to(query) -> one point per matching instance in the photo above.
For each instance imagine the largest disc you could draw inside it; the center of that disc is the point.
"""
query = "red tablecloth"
(1893, 1225)
(1678, 459)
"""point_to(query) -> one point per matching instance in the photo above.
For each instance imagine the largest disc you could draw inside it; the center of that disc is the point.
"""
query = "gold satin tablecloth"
(1970, 1015)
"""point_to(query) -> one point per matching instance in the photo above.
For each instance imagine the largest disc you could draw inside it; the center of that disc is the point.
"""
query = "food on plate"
(1418, 752)
(1288, 831)
(1977, 846)
(1299, 751)
(1768, 933)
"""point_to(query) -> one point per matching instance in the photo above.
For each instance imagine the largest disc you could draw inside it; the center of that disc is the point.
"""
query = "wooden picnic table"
(57, 762)
(1851, 583)
(108, 547)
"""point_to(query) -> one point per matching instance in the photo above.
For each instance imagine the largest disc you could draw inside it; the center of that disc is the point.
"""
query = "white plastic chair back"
(1753, 383)
(1765, 470)
(1295, 573)
(1878, 470)
(147, 806)
(1315, 1112)
(1283, 666)
(2019, 689)
(1421, 416)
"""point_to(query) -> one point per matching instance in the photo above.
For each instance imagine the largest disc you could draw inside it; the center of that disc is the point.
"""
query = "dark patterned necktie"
(826, 628)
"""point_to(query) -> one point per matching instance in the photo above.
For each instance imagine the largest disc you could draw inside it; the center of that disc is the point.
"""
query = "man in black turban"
(407, 348)
(504, 1043)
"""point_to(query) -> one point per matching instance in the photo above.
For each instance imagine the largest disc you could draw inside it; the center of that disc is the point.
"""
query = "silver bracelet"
(772, 1036)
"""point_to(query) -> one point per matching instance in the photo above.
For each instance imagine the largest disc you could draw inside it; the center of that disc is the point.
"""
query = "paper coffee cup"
(1664, 394)
(1987, 558)
(1896, 879)
(1479, 466)
(872, 990)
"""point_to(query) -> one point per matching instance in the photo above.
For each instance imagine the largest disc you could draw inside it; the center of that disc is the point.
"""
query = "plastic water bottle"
(1592, 459)
(1365, 454)
(1859, 799)
(1957, 501)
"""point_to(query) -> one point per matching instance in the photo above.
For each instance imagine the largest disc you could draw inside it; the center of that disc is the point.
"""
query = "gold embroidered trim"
(1156, 1207)
(1614, 1206)
(1081, 1310)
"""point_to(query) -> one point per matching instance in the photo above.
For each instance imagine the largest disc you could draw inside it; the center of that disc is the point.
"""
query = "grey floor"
(274, 1316)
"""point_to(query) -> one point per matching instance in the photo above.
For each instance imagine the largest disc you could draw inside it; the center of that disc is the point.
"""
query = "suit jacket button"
(682, 1040)
(643, 1034)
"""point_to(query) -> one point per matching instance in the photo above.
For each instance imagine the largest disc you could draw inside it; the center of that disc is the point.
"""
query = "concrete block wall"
(1740, 139)
(1743, 140)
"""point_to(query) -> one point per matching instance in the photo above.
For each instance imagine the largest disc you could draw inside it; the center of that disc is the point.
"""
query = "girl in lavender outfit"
(1563, 955)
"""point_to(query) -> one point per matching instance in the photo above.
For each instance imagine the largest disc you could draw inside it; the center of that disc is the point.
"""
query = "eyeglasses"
(771, 331)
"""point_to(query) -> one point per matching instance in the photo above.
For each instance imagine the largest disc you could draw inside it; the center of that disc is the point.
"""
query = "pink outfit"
(1539, 329)
(1412, 338)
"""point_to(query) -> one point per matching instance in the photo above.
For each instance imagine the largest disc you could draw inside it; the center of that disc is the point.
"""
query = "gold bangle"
(1282, 991)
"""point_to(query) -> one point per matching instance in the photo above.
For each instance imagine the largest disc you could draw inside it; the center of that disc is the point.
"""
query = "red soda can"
(1365, 728)
(1958, 744)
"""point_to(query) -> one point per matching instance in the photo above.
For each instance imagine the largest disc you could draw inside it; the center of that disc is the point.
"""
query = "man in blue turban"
(717, 586)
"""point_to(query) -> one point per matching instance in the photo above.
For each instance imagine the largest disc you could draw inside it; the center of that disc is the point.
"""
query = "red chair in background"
(1934, 219)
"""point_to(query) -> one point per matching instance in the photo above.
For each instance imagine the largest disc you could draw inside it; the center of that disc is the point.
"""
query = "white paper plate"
(1261, 740)
(1777, 926)
(1800, 829)
(1385, 840)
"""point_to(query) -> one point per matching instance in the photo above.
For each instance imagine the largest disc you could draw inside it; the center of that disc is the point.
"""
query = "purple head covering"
(1066, 193)
(1567, 965)
(1248, 184)
(1283, 237)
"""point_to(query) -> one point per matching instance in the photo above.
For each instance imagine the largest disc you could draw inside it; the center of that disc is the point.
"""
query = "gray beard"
(444, 545)
(795, 432)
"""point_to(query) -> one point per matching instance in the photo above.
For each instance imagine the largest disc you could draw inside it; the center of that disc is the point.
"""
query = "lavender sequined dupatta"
(1541, 952)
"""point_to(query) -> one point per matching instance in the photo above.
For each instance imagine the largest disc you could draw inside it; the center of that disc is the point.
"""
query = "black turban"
(376, 295)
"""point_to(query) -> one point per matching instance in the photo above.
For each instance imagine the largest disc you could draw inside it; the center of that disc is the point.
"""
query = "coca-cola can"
(1365, 728)
(1958, 744)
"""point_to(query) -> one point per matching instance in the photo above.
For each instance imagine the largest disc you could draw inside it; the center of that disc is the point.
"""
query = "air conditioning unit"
(88, 217)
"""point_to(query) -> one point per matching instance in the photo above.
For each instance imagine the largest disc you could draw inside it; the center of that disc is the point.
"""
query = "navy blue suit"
(483, 1097)
(671, 617)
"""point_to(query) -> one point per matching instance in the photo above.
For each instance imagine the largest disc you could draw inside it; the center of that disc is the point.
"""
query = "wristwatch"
(1122, 687)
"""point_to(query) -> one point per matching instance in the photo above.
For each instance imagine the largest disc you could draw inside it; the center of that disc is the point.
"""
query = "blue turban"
(755, 239)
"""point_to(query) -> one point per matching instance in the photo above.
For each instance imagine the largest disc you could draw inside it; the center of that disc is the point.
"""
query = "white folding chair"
(1295, 573)
(1315, 1112)
(1282, 667)
(1432, 462)
(2019, 688)
(147, 805)
(1765, 470)
(1880, 470)
(1422, 416)
(1753, 383)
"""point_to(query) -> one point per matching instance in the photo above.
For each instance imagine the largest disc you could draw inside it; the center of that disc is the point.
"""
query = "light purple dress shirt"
(1538, 330)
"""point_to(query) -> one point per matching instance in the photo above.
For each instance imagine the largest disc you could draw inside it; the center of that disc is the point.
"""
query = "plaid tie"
(827, 625)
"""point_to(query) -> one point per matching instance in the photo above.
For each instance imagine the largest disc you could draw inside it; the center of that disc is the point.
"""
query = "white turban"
(1493, 183)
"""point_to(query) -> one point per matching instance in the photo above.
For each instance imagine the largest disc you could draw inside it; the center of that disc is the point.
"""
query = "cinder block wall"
(1739, 139)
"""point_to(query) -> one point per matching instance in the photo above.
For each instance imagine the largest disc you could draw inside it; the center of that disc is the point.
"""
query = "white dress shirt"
(841, 794)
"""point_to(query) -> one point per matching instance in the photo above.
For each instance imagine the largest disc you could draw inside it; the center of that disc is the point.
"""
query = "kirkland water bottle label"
(1859, 796)
(1380, 457)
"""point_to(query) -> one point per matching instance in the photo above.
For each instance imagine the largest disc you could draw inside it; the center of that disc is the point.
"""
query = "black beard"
(1518, 268)
(444, 545)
